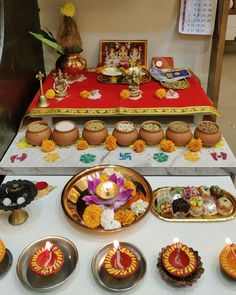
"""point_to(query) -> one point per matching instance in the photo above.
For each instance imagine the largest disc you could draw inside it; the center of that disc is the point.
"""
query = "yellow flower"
(92, 216)
(195, 145)
(104, 177)
(48, 145)
(53, 157)
(219, 144)
(128, 184)
(50, 93)
(139, 146)
(167, 145)
(125, 217)
(160, 93)
(23, 144)
(82, 144)
(125, 94)
(110, 143)
(84, 94)
(67, 9)
(193, 157)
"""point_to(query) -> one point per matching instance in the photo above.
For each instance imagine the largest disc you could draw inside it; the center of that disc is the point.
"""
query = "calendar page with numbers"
(197, 17)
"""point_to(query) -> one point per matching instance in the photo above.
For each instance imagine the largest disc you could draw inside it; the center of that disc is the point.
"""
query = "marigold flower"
(48, 145)
(137, 196)
(110, 143)
(84, 94)
(125, 217)
(50, 93)
(195, 145)
(128, 184)
(82, 144)
(67, 9)
(92, 216)
(125, 94)
(160, 93)
(167, 145)
(139, 146)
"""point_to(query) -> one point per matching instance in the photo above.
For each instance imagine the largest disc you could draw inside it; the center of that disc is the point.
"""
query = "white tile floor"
(227, 100)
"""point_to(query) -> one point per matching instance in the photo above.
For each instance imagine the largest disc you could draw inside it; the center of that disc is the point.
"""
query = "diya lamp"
(228, 259)
(179, 260)
(5, 258)
(107, 190)
(120, 262)
(47, 260)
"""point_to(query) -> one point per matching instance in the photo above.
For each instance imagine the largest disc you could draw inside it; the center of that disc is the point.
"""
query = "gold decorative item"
(18, 216)
(133, 77)
(181, 84)
(60, 84)
(42, 99)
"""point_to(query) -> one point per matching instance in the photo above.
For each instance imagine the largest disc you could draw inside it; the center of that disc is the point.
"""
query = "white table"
(46, 217)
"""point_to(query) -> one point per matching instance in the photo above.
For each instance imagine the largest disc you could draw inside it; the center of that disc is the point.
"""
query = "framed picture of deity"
(115, 53)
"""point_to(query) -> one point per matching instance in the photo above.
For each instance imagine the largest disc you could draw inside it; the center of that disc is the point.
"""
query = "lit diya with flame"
(47, 260)
(179, 260)
(228, 259)
(120, 262)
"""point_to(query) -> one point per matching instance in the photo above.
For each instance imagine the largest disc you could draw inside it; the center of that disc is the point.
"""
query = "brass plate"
(121, 79)
(79, 183)
(190, 218)
(181, 84)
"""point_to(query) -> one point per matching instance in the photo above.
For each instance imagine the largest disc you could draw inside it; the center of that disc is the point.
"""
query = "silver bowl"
(45, 284)
(117, 284)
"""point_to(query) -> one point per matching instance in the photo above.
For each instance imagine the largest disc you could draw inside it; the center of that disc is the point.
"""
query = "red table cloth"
(192, 100)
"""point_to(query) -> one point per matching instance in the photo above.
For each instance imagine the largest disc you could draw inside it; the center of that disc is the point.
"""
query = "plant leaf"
(49, 42)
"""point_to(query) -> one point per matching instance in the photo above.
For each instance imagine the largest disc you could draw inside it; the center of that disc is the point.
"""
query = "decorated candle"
(179, 260)
(228, 259)
(47, 260)
(120, 262)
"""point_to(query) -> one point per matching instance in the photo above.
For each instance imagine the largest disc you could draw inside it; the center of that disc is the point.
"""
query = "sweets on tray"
(191, 202)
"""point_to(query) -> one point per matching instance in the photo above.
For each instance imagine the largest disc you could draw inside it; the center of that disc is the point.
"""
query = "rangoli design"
(160, 157)
(87, 158)
(52, 157)
(192, 157)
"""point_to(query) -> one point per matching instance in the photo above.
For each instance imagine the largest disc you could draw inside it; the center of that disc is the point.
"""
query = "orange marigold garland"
(125, 217)
(139, 146)
(110, 143)
(160, 93)
(125, 94)
(195, 145)
(82, 144)
(48, 145)
(167, 145)
(84, 94)
(92, 216)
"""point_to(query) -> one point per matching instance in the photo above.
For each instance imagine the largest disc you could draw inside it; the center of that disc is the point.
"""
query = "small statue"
(134, 81)
(60, 84)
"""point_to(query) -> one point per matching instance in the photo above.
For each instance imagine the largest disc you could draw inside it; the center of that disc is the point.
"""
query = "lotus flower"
(122, 197)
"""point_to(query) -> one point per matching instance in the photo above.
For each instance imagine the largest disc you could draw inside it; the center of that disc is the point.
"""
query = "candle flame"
(48, 246)
(116, 244)
(228, 241)
(176, 240)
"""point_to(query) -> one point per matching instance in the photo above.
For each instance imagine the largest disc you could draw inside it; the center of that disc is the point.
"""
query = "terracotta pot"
(94, 136)
(125, 138)
(34, 136)
(209, 137)
(65, 133)
(151, 137)
(71, 64)
(180, 138)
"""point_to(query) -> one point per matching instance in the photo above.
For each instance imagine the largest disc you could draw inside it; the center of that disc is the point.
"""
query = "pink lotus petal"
(92, 184)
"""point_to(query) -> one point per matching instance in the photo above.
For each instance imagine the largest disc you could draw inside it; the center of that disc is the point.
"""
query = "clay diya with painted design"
(120, 262)
(47, 260)
(228, 259)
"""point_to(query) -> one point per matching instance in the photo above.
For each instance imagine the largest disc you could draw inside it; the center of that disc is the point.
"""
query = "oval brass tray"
(189, 218)
(74, 190)
(120, 79)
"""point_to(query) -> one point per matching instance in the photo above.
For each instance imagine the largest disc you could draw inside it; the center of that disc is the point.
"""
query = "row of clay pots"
(66, 133)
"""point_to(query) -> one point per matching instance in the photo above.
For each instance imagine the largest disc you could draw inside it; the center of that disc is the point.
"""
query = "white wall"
(154, 20)
(231, 28)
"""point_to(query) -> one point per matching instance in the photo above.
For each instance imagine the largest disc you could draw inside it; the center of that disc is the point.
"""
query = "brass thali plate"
(121, 79)
(181, 84)
(158, 193)
(77, 187)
